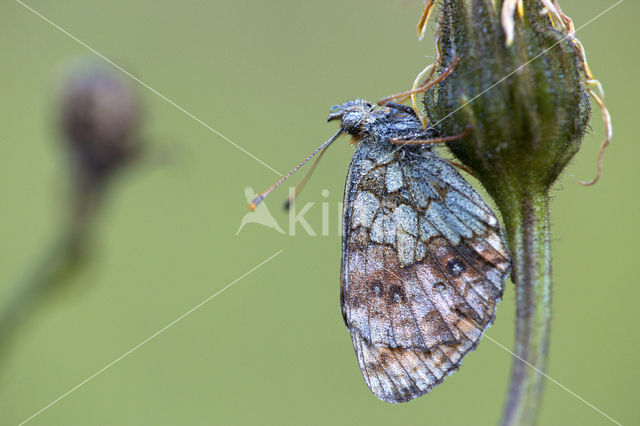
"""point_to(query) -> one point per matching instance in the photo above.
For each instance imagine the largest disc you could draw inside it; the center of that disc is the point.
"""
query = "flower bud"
(519, 85)
(99, 119)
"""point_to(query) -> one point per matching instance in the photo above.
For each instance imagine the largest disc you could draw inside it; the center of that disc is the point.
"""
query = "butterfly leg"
(403, 96)
(404, 108)
(417, 139)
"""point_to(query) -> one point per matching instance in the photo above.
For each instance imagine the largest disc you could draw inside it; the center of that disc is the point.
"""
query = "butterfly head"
(352, 113)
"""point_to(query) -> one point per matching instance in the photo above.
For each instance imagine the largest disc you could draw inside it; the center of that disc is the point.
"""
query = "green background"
(272, 349)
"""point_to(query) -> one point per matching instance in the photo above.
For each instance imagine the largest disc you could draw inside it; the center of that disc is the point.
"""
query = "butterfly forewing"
(423, 266)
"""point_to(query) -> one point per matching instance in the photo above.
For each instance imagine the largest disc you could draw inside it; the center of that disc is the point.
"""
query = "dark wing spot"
(376, 288)
(374, 181)
(396, 294)
(462, 310)
(359, 240)
(455, 267)
(438, 287)
(384, 359)
(355, 301)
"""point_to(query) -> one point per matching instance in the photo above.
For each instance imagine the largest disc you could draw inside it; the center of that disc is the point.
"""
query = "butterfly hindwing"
(423, 266)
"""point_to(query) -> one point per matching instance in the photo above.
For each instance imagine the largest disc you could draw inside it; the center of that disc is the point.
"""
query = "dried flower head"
(100, 116)
(522, 83)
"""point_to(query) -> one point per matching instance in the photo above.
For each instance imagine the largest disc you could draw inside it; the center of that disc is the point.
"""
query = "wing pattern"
(423, 267)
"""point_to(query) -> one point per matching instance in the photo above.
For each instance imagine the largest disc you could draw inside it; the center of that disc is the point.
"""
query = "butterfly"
(423, 257)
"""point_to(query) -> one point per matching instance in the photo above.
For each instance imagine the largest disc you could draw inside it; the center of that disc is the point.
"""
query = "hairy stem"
(528, 233)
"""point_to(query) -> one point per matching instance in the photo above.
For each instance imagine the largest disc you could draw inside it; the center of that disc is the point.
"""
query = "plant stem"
(528, 232)
(64, 258)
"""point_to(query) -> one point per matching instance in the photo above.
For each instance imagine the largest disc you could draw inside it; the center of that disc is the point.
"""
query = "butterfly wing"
(424, 264)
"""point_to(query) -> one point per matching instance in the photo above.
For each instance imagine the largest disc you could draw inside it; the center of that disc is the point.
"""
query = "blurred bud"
(519, 84)
(100, 116)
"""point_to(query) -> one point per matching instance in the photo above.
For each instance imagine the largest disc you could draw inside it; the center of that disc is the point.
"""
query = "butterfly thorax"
(369, 122)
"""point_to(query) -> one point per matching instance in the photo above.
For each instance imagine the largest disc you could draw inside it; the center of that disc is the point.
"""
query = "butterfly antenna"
(304, 180)
(262, 196)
